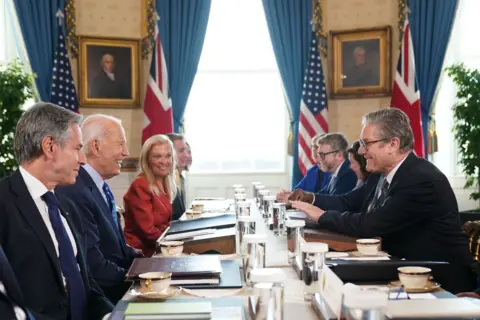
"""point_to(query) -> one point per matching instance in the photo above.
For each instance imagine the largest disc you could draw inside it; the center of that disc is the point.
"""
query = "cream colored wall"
(115, 19)
(345, 115)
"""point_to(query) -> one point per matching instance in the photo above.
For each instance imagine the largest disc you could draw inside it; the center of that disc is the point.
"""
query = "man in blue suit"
(108, 256)
(11, 299)
(333, 158)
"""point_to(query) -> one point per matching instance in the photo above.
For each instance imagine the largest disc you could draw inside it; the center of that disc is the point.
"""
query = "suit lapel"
(28, 209)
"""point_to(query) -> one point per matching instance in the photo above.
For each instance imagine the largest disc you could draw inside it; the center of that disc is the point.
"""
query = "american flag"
(313, 108)
(63, 87)
(405, 94)
(158, 117)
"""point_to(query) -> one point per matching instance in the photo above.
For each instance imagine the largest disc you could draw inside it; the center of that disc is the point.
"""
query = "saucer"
(145, 294)
(431, 285)
(378, 254)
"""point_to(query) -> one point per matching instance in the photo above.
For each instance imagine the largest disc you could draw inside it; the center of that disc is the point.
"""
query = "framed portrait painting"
(109, 72)
(360, 63)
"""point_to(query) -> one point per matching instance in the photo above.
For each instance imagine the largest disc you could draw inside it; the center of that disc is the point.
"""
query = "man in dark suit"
(11, 299)
(107, 84)
(332, 156)
(108, 255)
(181, 151)
(408, 202)
(41, 232)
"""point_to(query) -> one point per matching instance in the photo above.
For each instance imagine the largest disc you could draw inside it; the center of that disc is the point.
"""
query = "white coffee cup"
(368, 247)
(171, 248)
(414, 277)
(155, 281)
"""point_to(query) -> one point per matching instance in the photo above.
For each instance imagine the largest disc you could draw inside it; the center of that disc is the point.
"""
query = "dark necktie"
(68, 261)
(111, 204)
(380, 195)
(331, 185)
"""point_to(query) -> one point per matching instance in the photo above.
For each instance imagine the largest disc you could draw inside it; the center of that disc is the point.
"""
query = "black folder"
(382, 270)
(219, 222)
(230, 277)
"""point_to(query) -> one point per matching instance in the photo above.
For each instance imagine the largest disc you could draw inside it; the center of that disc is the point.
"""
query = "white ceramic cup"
(171, 248)
(368, 247)
(414, 277)
(155, 281)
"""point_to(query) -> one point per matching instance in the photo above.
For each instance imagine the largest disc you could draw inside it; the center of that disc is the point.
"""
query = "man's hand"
(299, 195)
(468, 295)
(283, 195)
(313, 211)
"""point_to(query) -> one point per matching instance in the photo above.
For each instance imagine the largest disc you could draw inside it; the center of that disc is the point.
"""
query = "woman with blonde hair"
(148, 201)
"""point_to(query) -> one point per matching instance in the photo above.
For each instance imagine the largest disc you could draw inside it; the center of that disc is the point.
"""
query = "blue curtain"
(39, 27)
(431, 23)
(182, 26)
(291, 32)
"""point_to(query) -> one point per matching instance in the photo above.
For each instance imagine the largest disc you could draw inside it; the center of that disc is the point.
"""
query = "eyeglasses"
(324, 154)
(365, 144)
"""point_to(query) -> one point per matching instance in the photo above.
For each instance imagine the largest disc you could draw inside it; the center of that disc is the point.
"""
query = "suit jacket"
(31, 252)
(14, 295)
(108, 256)
(418, 220)
(314, 180)
(103, 87)
(344, 182)
(178, 205)
(146, 215)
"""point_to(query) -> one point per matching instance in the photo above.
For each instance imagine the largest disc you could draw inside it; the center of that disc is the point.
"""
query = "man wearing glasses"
(332, 156)
(407, 202)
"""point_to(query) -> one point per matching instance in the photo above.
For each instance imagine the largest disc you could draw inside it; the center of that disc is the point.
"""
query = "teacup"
(198, 207)
(155, 281)
(171, 248)
(368, 247)
(414, 277)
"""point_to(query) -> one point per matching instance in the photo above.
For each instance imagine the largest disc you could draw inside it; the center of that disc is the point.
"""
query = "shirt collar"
(36, 188)
(335, 174)
(394, 170)
(94, 175)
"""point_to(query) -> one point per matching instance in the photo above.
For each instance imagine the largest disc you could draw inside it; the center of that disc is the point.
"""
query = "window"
(462, 48)
(236, 117)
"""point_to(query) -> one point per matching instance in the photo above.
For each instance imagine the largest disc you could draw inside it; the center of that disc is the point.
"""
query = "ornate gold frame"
(134, 45)
(336, 57)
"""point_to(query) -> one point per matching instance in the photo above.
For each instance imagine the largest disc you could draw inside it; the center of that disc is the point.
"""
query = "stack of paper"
(168, 310)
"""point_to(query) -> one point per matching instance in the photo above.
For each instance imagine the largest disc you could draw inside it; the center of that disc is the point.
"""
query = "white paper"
(421, 296)
(365, 258)
(190, 234)
(227, 313)
(398, 295)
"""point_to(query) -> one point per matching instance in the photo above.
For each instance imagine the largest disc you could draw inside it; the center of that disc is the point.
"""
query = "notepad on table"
(168, 310)
(189, 234)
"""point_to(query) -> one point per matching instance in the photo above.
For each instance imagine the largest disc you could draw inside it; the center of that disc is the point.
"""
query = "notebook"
(168, 310)
(203, 265)
(219, 222)
(230, 278)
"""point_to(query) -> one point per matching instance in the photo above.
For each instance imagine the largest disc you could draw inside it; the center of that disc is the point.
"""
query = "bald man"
(108, 256)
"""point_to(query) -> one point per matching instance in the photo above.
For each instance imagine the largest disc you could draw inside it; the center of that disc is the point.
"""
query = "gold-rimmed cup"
(155, 281)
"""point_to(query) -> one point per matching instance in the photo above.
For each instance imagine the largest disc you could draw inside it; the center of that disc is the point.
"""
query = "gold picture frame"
(109, 72)
(360, 63)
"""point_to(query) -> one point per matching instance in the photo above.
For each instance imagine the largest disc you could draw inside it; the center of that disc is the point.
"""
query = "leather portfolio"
(219, 222)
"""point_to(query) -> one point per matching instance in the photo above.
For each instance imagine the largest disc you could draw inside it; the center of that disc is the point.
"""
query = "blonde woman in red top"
(148, 201)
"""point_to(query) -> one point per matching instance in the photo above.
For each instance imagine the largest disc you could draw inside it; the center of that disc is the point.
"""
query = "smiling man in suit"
(407, 202)
(40, 231)
(108, 256)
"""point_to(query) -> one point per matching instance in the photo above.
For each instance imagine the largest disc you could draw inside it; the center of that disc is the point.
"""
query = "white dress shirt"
(394, 170)
(19, 313)
(37, 190)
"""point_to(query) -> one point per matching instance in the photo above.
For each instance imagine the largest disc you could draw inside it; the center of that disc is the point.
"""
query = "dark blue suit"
(314, 181)
(14, 295)
(108, 256)
(344, 182)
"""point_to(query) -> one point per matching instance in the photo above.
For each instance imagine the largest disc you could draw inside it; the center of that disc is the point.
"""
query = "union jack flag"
(313, 108)
(405, 94)
(158, 116)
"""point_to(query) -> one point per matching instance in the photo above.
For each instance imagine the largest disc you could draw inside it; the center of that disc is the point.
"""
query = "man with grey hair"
(108, 84)
(41, 231)
(407, 202)
(108, 255)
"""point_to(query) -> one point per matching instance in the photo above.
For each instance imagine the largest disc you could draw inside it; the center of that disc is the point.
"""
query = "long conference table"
(295, 307)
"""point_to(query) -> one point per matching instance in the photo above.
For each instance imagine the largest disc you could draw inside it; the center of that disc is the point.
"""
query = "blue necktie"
(68, 261)
(111, 204)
